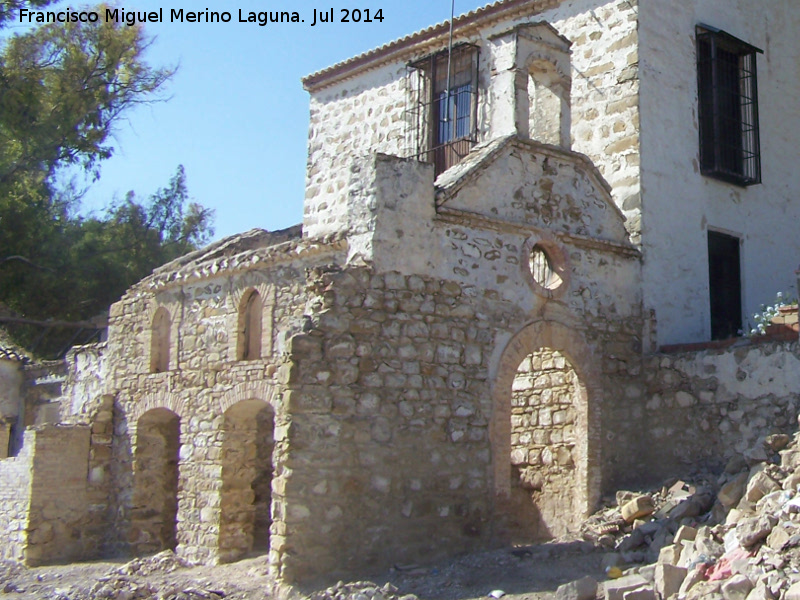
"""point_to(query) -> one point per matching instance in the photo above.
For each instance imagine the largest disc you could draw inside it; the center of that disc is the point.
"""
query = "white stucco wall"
(679, 204)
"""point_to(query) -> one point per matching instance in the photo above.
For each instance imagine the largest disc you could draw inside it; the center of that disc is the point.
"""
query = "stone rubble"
(732, 537)
(361, 590)
(166, 561)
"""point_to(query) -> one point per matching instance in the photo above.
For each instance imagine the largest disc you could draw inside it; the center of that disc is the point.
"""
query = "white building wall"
(679, 204)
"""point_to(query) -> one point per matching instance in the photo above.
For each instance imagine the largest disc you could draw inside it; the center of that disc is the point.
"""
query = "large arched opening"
(545, 434)
(155, 482)
(247, 470)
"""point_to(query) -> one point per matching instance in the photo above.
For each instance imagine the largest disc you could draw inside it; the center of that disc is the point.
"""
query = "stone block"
(760, 592)
(793, 593)
(751, 531)
(790, 459)
(792, 481)
(705, 590)
(581, 589)
(737, 588)
(693, 577)
(730, 493)
(669, 579)
(670, 555)
(615, 589)
(644, 593)
(685, 533)
(759, 486)
(640, 506)
(778, 539)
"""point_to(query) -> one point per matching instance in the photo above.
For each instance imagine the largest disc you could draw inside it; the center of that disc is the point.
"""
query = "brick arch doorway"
(545, 433)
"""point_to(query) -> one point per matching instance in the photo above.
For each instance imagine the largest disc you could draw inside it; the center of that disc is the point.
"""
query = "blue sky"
(237, 115)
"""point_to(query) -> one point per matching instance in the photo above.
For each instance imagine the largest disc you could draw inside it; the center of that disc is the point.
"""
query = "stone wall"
(53, 505)
(544, 439)
(15, 495)
(396, 397)
(705, 406)
(85, 378)
(58, 518)
(224, 505)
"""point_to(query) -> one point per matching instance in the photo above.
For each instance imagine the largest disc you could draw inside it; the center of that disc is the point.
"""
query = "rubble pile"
(163, 562)
(361, 590)
(736, 537)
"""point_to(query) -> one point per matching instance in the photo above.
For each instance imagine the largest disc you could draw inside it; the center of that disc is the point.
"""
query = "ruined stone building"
(461, 344)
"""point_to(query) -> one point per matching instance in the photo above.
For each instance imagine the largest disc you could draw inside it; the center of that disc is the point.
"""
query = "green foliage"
(63, 87)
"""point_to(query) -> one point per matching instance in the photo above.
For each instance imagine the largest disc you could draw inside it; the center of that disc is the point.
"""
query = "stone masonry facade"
(432, 361)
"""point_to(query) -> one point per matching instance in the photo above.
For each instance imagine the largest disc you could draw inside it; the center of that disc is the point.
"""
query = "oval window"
(542, 269)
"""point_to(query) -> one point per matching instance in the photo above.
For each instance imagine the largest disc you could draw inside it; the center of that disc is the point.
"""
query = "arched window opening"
(249, 338)
(159, 342)
(547, 111)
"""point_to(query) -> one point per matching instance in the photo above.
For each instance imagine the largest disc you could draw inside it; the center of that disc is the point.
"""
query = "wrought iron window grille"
(443, 107)
(728, 107)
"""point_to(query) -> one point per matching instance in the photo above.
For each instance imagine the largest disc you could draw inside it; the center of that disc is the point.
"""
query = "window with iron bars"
(444, 103)
(728, 107)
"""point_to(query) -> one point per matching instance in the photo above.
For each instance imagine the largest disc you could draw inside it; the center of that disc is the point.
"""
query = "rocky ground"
(728, 536)
(531, 573)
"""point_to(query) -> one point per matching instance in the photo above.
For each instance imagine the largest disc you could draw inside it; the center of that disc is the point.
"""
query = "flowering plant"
(764, 318)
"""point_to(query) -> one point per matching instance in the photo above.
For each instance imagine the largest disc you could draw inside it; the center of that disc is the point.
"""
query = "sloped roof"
(231, 246)
(415, 42)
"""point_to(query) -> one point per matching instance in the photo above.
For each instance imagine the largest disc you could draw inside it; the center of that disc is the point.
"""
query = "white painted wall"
(679, 204)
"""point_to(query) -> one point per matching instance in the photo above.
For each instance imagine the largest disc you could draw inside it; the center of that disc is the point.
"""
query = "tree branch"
(25, 260)
(53, 323)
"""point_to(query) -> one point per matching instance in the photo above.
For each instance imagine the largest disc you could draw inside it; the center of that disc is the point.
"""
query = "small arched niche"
(249, 326)
(159, 341)
(538, 69)
(548, 102)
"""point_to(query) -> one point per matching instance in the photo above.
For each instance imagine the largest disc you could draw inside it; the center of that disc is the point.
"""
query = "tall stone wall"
(347, 121)
(392, 395)
(605, 93)
(59, 518)
(390, 416)
(52, 507)
(205, 392)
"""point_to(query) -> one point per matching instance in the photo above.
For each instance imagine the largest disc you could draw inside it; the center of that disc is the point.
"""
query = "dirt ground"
(526, 573)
